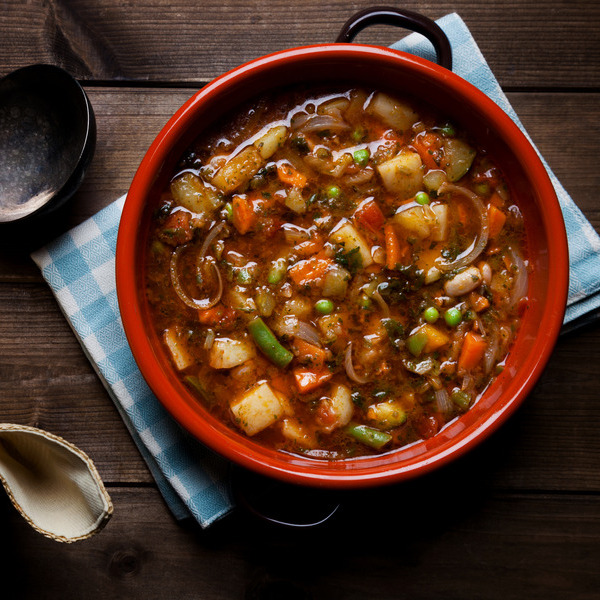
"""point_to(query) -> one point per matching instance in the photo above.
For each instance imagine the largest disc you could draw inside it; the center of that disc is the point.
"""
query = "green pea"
(361, 157)
(333, 191)
(422, 198)
(431, 314)
(324, 306)
(228, 211)
(453, 317)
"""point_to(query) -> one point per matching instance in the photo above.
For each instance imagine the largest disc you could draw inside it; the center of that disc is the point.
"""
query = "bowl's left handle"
(400, 18)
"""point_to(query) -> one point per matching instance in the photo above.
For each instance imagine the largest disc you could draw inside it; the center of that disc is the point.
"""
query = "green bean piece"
(461, 399)
(368, 435)
(268, 344)
(277, 271)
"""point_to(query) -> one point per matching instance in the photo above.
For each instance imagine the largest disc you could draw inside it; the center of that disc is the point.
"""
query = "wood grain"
(465, 544)
(555, 42)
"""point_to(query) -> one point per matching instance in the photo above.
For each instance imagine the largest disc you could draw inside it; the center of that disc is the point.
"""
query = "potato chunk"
(403, 174)
(177, 344)
(257, 409)
(392, 112)
(337, 410)
(238, 171)
(226, 353)
(414, 220)
(345, 234)
(268, 143)
(387, 415)
(192, 193)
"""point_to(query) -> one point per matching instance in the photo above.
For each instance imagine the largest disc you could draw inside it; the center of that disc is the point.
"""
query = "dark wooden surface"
(517, 518)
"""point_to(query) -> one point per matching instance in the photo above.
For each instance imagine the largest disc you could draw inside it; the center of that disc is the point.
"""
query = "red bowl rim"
(316, 472)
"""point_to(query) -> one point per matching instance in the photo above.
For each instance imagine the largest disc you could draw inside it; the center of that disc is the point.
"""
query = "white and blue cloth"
(79, 266)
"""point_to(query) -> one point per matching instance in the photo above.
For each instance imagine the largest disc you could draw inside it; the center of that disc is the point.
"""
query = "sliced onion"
(521, 278)
(442, 401)
(196, 303)
(480, 242)
(210, 237)
(308, 333)
(491, 353)
(294, 234)
(308, 123)
(385, 309)
(350, 367)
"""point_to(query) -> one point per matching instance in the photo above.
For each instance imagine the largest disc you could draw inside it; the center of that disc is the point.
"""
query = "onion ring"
(480, 242)
(350, 367)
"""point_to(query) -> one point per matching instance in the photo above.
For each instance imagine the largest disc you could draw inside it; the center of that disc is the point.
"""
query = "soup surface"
(337, 273)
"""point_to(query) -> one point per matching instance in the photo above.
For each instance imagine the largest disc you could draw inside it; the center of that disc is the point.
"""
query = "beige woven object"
(53, 484)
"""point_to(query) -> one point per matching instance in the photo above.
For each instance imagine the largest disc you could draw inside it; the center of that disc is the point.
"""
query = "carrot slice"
(369, 215)
(396, 252)
(291, 176)
(244, 218)
(217, 315)
(310, 354)
(309, 270)
(478, 302)
(496, 220)
(310, 379)
(472, 351)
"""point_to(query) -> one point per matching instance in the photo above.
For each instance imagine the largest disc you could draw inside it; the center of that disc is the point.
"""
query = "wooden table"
(518, 518)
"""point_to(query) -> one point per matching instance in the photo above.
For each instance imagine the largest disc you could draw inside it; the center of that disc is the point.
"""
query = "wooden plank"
(550, 444)
(129, 120)
(152, 40)
(457, 543)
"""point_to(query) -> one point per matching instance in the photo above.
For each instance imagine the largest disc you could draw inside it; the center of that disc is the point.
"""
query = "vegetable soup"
(337, 272)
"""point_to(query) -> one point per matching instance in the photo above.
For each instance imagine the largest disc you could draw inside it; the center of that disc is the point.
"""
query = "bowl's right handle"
(400, 18)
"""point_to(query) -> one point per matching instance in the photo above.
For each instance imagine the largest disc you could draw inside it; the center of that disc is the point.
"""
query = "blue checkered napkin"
(584, 242)
(80, 265)
(80, 268)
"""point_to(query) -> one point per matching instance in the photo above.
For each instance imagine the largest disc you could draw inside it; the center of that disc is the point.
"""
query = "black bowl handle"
(280, 503)
(400, 18)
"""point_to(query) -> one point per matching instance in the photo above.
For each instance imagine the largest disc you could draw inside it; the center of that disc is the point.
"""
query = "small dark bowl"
(47, 140)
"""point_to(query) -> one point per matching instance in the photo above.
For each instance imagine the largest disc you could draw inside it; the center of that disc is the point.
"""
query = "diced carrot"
(244, 217)
(217, 315)
(309, 353)
(281, 382)
(478, 302)
(291, 176)
(369, 215)
(496, 200)
(472, 351)
(396, 252)
(309, 270)
(309, 379)
(428, 146)
(309, 247)
(496, 220)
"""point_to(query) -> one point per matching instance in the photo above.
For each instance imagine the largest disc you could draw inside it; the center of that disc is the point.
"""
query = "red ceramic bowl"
(490, 127)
